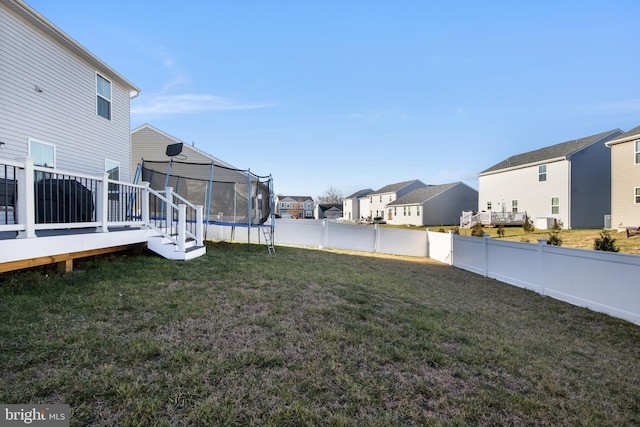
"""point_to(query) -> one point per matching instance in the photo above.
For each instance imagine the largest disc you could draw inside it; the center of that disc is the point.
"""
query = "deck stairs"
(168, 248)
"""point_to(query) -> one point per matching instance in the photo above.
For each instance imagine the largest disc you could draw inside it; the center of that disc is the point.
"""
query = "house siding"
(590, 186)
(624, 178)
(445, 208)
(64, 113)
(522, 185)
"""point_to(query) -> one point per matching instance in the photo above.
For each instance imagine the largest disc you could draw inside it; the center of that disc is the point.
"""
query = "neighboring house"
(625, 179)
(329, 211)
(373, 204)
(433, 205)
(61, 105)
(296, 207)
(150, 143)
(569, 182)
(351, 205)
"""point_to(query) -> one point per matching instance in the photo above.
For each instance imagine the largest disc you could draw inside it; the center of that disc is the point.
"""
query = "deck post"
(199, 225)
(26, 199)
(102, 203)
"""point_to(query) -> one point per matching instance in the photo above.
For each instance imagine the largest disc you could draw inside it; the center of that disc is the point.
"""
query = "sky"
(354, 94)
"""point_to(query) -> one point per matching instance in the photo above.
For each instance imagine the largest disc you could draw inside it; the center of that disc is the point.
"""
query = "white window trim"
(556, 206)
(636, 151)
(37, 141)
(110, 100)
(540, 173)
(636, 196)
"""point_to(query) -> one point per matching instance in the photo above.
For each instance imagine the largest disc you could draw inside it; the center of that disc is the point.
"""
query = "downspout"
(570, 191)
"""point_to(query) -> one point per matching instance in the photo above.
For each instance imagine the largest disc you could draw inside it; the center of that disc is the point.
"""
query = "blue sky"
(360, 94)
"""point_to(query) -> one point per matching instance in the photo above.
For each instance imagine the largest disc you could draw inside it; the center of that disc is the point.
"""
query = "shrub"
(554, 235)
(456, 230)
(500, 230)
(605, 243)
(527, 225)
(477, 231)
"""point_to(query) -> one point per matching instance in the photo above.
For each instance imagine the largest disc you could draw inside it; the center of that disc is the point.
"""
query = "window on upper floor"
(555, 205)
(637, 195)
(514, 206)
(418, 210)
(489, 206)
(636, 146)
(103, 97)
(380, 198)
(542, 173)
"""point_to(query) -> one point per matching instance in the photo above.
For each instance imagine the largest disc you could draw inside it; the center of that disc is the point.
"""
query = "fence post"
(325, 234)
(26, 199)
(451, 233)
(485, 249)
(541, 244)
(102, 203)
(428, 245)
(200, 225)
(376, 238)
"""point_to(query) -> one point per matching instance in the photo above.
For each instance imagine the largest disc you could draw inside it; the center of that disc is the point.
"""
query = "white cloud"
(188, 104)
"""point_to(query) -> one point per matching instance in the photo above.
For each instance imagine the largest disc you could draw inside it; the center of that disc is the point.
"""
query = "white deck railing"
(34, 198)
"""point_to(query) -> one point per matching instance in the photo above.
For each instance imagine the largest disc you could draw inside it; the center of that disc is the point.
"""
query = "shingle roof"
(423, 194)
(392, 188)
(632, 134)
(563, 149)
(297, 198)
(360, 193)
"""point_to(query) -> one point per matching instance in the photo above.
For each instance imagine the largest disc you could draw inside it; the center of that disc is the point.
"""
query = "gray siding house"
(433, 205)
(373, 205)
(569, 182)
(61, 105)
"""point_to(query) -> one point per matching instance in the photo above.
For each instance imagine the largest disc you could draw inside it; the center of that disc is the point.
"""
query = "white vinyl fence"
(602, 281)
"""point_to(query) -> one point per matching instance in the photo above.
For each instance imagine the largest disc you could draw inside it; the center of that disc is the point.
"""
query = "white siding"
(64, 113)
(522, 185)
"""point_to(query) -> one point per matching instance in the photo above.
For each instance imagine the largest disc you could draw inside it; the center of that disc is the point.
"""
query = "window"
(418, 210)
(489, 206)
(404, 211)
(103, 92)
(555, 205)
(637, 198)
(380, 198)
(113, 169)
(42, 154)
(542, 173)
(636, 146)
(514, 206)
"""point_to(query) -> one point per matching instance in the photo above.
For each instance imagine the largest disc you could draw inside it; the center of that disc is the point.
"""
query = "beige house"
(625, 179)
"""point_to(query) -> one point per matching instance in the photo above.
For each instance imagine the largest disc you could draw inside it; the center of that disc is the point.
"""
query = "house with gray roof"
(432, 205)
(625, 180)
(351, 205)
(373, 204)
(569, 182)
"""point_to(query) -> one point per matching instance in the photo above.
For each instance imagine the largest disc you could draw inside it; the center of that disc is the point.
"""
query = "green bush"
(500, 230)
(527, 225)
(605, 243)
(554, 236)
(477, 231)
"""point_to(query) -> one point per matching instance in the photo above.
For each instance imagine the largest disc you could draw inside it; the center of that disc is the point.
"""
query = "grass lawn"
(308, 337)
(583, 239)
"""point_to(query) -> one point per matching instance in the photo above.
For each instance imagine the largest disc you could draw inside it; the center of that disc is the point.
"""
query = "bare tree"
(333, 196)
(296, 210)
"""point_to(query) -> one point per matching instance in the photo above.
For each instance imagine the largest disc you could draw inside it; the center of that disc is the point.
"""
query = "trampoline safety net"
(229, 196)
